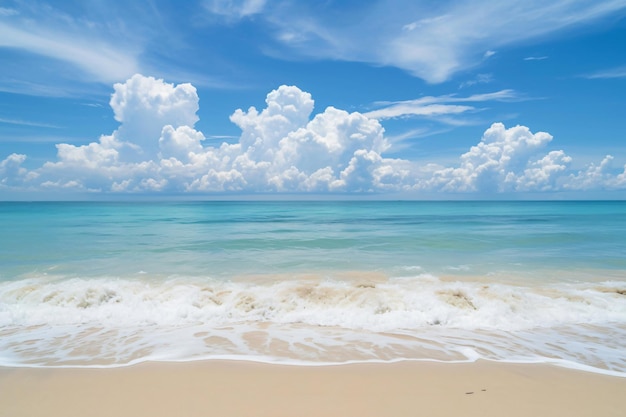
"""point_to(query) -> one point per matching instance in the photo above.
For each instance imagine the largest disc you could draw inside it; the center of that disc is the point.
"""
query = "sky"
(386, 99)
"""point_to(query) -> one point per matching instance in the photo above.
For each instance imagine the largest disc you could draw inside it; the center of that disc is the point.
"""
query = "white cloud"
(437, 106)
(143, 105)
(280, 148)
(601, 176)
(5, 12)
(181, 143)
(500, 162)
(285, 148)
(235, 9)
(619, 72)
(11, 170)
(417, 109)
(543, 174)
(27, 123)
(480, 79)
(103, 61)
(432, 43)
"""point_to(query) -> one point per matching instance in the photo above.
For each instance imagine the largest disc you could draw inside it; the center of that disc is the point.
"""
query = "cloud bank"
(286, 148)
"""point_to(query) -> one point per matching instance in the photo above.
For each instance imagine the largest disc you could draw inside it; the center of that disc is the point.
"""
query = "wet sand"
(232, 389)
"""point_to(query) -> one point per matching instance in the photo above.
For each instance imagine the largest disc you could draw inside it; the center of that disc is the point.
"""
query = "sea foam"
(116, 321)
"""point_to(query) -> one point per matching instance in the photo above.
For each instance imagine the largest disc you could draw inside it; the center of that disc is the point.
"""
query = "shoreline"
(242, 388)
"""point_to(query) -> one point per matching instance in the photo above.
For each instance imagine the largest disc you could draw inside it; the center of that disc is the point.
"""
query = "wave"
(105, 321)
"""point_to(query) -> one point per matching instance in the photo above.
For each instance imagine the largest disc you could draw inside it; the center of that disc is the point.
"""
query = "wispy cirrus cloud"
(430, 106)
(56, 49)
(20, 122)
(66, 48)
(432, 43)
(234, 9)
(618, 72)
(479, 79)
(6, 11)
(103, 61)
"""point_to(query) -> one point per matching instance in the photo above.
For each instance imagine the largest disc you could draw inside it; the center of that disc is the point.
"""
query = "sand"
(231, 389)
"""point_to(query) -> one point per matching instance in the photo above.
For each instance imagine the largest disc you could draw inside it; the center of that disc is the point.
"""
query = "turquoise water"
(219, 239)
(109, 284)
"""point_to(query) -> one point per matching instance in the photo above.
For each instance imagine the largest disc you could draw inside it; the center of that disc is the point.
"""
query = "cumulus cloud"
(597, 176)
(144, 105)
(500, 162)
(281, 147)
(285, 147)
(514, 160)
(543, 174)
(11, 170)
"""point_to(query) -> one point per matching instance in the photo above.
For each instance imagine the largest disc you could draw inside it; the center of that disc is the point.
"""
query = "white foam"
(47, 321)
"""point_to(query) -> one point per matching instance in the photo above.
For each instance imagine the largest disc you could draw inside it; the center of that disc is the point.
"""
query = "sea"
(306, 283)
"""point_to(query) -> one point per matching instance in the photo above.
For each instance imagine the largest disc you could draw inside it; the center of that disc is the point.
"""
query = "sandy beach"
(225, 388)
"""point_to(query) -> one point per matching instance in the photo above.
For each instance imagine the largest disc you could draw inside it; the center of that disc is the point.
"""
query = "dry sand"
(231, 389)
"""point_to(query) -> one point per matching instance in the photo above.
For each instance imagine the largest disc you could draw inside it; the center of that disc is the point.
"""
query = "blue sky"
(394, 98)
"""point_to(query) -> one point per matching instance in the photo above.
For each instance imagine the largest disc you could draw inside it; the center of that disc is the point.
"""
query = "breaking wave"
(310, 319)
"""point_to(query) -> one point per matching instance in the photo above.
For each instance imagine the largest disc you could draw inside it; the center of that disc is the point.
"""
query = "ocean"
(108, 284)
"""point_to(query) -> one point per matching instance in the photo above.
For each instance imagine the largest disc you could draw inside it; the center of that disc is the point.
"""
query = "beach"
(239, 388)
(312, 309)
